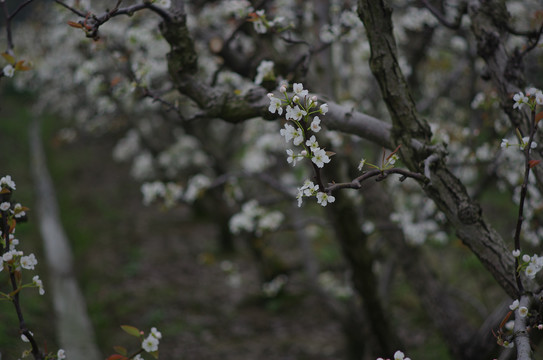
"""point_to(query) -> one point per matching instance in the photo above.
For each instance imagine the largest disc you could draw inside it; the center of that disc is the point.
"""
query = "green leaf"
(131, 330)
(154, 354)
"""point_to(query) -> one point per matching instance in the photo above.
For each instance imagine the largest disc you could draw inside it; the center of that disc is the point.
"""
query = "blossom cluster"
(309, 189)
(151, 342)
(522, 310)
(254, 218)
(12, 258)
(522, 144)
(531, 97)
(301, 112)
(398, 355)
(261, 24)
(531, 264)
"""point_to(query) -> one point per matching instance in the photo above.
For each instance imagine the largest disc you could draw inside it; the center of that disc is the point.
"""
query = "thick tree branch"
(408, 128)
(446, 190)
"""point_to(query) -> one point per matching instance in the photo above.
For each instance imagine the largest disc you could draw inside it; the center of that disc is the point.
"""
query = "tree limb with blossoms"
(400, 127)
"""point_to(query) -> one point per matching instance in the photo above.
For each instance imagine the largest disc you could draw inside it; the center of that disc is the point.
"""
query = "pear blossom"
(292, 158)
(39, 284)
(25, 338)
(275, 105)
(393, 159)
(320, 158)
(398, 355)
(8, 70)
(18, 211)
(5, 206)
(531, 91)
(309, 188)
(315, 124)
(150, 343)
(523, 311)
(361, 164)
(524, 142)
(152, 191)
(504, 144)
(514, 305)
(295, 113)
(539, 97)
(298, 89)
(258, 22)
(520, 99)
(263, 71)
(516, 253)
(298, 137)
(531, 271)
(6, 182)
(324, 109)
(312, 143)
(61, 354)
(28, 262)
(299, 198)
(288, 132)
(156, 333)
(324, 198)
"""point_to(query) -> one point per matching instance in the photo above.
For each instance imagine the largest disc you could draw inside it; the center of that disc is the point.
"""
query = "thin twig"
(380, 175)
(523, 191)
(442, 19)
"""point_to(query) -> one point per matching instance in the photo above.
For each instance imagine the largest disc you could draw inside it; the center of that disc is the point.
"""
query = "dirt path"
(73, 327)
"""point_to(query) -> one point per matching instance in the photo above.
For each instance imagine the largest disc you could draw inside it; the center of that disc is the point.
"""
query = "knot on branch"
(490, 42)
(468, 213)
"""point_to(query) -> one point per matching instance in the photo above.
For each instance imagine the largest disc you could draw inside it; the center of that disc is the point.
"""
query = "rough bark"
(445, 189)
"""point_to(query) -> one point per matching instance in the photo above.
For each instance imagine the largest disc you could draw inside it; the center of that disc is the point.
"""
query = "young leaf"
(538, 117)
(154, 354)
(21, 66)
(533, 163)
(131, 330)
(121, 350)
(117, 357)
(75, 24)
(10, 59)
(394, 152)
